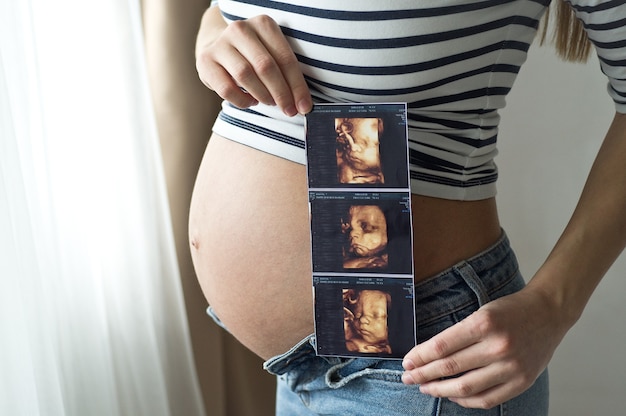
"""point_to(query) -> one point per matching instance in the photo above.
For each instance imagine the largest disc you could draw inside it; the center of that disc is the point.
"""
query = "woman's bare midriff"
(249, 234)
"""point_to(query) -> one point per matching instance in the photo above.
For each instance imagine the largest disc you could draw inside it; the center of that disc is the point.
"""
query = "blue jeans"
(312, 385)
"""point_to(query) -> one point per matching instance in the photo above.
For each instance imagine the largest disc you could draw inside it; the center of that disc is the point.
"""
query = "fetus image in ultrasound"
(365, 321)
(365, 231)
(358, 150)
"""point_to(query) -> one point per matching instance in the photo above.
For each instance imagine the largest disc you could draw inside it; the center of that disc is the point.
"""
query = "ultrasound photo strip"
(360, 206)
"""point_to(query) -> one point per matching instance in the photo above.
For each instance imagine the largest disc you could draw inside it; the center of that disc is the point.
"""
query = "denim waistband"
(469, 282)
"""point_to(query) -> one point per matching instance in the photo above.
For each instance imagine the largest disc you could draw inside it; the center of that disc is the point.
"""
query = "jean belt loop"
(472, 280)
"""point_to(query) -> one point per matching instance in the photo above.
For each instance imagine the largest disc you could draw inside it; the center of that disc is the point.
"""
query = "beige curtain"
(231, 378)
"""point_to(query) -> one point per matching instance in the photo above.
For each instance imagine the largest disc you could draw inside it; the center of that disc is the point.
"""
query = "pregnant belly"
(250, 243)
(249, 233)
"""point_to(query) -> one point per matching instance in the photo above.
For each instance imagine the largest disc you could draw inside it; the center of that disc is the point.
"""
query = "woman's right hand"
(250, 61)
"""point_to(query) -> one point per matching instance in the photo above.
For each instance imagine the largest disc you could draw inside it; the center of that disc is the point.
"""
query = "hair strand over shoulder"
(568, 34)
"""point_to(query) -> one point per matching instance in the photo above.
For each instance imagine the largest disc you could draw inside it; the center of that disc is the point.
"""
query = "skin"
(254, 55)
(503, 347)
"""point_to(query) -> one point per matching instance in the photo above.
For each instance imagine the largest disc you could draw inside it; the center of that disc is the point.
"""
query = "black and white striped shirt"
(452, 61)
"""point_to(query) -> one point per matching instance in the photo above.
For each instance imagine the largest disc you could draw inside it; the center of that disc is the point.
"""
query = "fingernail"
(304, 106)
(407, 379)
(290, 111)
(408, 364)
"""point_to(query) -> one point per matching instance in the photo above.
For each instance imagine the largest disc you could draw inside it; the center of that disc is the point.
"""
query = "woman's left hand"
(493, 355)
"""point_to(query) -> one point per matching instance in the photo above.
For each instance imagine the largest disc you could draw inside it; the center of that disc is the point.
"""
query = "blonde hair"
(568, 34)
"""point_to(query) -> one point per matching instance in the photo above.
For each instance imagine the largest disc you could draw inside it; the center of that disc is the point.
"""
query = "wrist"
(562, 292)
(211, 26)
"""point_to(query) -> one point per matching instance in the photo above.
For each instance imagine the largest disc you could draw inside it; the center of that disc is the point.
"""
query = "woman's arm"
(250, 61)
(596, 233)
(506, 344)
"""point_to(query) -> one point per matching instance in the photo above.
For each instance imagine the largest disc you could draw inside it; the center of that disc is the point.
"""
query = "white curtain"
(92, 319)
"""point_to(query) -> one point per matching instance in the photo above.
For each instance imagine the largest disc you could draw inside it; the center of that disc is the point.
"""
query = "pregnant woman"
(484, 338)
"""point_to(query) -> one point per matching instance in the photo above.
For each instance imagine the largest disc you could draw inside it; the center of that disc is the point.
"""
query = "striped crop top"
(452, 61)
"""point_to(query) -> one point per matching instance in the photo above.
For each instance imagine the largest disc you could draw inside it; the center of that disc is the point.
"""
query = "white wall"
(555, 119)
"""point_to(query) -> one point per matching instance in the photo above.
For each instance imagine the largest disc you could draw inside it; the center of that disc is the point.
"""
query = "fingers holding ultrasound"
(252, 62)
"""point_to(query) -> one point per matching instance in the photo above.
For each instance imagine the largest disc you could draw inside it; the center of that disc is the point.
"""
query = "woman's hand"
(250, 61)
(493, 355)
